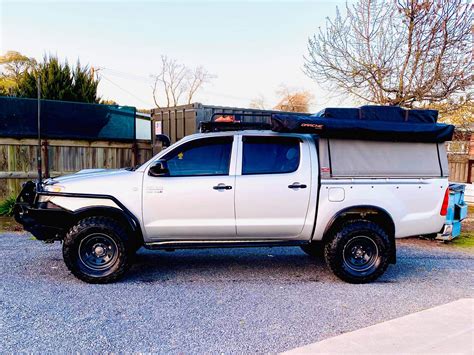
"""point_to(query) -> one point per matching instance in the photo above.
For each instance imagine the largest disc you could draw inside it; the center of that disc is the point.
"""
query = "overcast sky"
(252, 47)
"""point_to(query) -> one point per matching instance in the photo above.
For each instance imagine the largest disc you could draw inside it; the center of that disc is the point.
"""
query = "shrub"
(6, 206)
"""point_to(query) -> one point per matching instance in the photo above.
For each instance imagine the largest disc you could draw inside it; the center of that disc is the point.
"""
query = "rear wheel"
(358, 252)
(97, 250)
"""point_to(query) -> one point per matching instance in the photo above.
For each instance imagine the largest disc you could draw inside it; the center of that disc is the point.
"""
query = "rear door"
(273, 188)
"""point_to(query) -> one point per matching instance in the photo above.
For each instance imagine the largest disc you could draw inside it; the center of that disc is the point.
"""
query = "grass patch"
(465, 241)
(8, 224)
(470, 210)
(6, 206)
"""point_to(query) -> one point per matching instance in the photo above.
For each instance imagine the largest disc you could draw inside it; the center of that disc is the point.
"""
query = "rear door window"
(270, 155)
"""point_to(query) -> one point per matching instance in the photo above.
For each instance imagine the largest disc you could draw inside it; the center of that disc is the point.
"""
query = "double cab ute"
(346, 199)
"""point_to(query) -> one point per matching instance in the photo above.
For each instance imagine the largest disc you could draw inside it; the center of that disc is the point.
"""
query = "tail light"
(444, 206)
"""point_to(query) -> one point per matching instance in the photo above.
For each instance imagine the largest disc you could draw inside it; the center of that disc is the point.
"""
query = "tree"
(406, 52)
(171, 79)
(59, 81)
(108, 102)
(459, 113)
(176, 80)
(293, 100)
(258, 103)
(195, 80)
(13, 64)
(84, 85)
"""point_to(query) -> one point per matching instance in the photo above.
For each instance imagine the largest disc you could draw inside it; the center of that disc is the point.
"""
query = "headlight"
(50, 188)
(54, 188)
(43, 198)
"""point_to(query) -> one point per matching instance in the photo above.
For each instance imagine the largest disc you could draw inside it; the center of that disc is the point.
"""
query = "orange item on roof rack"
(226, 118)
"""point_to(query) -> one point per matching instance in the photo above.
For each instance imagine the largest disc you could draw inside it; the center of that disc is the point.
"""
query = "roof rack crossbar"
(240, 115)
(211, 126)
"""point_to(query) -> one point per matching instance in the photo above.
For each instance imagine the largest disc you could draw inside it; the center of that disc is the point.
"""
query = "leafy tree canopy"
(12, 65)
(290, 100)
(108, 102)
(459, 112)
(59, 81)
(293, 100)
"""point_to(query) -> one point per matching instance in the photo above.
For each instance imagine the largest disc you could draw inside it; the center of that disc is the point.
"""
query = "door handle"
(297, 185)
(222, 187)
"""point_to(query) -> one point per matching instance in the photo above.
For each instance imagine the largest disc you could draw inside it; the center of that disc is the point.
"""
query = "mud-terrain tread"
(70, 248)
(342, 235)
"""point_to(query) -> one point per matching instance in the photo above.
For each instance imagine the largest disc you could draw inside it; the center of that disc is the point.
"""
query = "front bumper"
(44, 220)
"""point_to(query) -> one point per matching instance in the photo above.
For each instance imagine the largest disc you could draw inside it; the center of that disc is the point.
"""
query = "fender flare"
(369, 212)
(122, 213)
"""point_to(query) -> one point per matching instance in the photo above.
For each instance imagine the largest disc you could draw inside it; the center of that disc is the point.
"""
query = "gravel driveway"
(240, 300)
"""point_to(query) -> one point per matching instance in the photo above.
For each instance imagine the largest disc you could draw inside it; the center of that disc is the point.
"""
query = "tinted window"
(265, 155)
(209, 156)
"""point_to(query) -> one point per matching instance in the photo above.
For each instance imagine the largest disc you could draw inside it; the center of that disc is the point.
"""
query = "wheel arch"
(366, 212)
(129, 221)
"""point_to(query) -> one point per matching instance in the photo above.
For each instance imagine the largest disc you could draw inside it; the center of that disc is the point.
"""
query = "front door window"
(203, 157)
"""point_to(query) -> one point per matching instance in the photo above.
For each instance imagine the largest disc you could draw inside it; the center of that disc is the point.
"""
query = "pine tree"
(59, 82)
(84, 85)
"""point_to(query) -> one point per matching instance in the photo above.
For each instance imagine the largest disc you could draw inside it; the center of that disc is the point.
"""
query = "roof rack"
(235, 122)
(211, 126)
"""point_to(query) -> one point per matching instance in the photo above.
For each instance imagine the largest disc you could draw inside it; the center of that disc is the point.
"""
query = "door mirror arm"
(164, 139)
(159, 169)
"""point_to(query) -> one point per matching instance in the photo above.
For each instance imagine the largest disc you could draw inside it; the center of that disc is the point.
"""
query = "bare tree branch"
(176, 80)
(258, 103)
(403, 52)
(197, 78)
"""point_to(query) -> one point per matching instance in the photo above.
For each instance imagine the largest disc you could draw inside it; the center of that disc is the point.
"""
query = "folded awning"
(412, 127)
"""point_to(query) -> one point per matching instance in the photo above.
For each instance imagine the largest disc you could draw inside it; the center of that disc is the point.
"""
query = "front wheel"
(358, 252)
(96, 250)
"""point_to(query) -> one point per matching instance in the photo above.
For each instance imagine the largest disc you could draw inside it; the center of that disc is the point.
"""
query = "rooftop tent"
(380, 113)
(377, 123)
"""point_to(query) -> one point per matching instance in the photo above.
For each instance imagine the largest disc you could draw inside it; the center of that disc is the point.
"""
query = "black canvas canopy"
(380, 123)
(380, 113)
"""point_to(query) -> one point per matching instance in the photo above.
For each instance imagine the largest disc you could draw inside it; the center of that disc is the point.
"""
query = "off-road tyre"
(358, 251)
(90, 236)
(315, 249)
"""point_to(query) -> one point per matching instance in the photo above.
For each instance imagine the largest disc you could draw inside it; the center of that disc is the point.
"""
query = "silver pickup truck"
(346, 199)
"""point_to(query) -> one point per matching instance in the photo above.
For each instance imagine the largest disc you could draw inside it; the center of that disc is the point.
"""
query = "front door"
(196, 198)
(273, 190)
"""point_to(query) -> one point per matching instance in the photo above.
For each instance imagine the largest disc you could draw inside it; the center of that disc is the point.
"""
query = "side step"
(202, 244)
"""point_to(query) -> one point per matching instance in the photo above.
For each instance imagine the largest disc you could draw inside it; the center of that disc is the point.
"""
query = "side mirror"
(160, 168)
(164, 139)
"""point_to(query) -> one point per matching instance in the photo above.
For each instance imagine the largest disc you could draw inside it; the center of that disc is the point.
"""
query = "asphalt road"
(209, 301)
